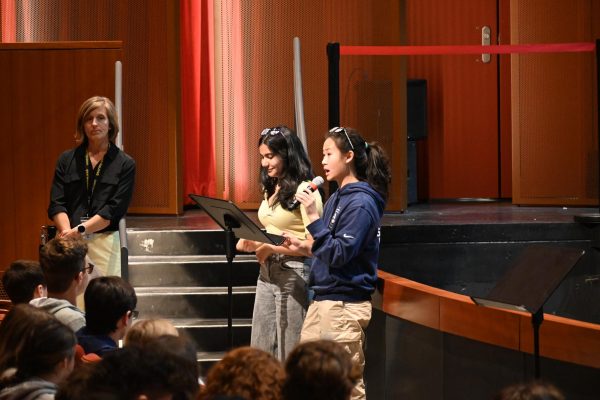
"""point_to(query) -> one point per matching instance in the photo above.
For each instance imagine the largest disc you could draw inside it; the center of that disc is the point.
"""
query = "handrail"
(119, 142)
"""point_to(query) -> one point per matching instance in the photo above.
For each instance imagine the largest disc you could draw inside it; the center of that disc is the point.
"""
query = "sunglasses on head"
(271, 131)
(339, 129)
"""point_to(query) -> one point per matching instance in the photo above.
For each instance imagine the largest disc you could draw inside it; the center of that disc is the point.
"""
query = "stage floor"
(458, 213)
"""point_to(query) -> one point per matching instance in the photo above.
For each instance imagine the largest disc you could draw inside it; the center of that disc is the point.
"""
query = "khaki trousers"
(104, 250)
(342, 322)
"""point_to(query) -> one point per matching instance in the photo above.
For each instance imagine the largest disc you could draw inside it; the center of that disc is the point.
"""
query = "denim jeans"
(280, 305)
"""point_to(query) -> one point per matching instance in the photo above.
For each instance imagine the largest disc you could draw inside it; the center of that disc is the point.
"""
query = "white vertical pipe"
(119, 143)
(119, 101)
(298, 101)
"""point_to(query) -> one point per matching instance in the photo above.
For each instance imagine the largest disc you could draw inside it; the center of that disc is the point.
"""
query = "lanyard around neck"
(90, 193)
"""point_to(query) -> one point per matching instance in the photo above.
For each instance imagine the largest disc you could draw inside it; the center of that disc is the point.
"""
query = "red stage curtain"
(8, 23)
(197, 98)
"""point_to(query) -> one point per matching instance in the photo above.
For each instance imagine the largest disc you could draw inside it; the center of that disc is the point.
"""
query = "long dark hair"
(20, 321)
(283, 142)
(44, 348)
(38, 343)
(371, 164)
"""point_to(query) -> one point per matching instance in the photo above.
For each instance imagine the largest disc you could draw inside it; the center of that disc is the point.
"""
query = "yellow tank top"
(277, 219)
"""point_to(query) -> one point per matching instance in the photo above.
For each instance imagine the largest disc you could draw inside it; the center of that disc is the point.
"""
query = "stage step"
(193, 302)
(182, 276)
(175, 242)
(204, 271)
(206, 359)
(212, 333)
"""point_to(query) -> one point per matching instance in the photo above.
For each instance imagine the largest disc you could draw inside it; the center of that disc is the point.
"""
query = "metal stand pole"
(536, 321)
(333, 58)
(230, 254)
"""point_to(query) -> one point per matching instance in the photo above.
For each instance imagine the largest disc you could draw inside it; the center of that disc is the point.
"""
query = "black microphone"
(314, 185)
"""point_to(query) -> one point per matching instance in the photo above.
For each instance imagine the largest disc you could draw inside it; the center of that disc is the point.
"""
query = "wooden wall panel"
(555, 155)
(487, 325)
(460, 156)
(47, 86)
(505, 116)
(563, 339)
(7, 200)
(149, 31)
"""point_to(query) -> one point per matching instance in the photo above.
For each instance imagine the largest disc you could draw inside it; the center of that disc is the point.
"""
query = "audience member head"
(109, 305)
(181, 347)
(41, 346)
(535, 390)
(46, 352)
(147, 329)
(23, 281)
(134, 373)
(284, 163)
(319, 369)
(63, 261)
(18, 323)
(247, 373)
(90, 105)
(75, 387)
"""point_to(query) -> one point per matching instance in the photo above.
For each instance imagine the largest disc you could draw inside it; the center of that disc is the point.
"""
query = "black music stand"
(528, 284)
(235, 223)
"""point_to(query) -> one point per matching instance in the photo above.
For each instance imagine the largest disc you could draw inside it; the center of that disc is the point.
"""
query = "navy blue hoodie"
(346, 246)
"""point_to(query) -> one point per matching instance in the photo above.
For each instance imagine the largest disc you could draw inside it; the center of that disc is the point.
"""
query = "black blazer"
(112, 192)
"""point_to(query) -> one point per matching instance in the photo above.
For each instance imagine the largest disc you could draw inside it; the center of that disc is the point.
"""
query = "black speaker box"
(416, 100)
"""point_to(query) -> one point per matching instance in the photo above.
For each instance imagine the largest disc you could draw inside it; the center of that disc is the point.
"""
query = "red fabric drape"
(197, 95)
(8, 24)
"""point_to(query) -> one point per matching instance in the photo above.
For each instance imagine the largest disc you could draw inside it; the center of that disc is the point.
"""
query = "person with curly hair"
(245, 373)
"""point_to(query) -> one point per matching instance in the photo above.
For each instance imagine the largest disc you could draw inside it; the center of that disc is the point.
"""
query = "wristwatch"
(81, 228)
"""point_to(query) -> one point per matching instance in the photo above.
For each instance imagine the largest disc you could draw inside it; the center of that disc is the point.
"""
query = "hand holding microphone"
(314, 185)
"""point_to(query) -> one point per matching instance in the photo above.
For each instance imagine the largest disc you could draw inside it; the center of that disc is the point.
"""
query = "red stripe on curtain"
(197, 95)
(8, 25)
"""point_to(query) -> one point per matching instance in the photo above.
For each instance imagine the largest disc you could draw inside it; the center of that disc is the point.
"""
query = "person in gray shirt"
(66, 269)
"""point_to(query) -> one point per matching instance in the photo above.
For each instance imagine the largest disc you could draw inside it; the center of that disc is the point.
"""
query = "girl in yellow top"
(281, 290)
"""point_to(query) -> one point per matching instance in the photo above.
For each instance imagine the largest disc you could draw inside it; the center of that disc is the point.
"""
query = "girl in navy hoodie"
(345, 250)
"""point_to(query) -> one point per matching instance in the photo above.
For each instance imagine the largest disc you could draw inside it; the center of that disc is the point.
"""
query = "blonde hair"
(90, 105)
(145, 330)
